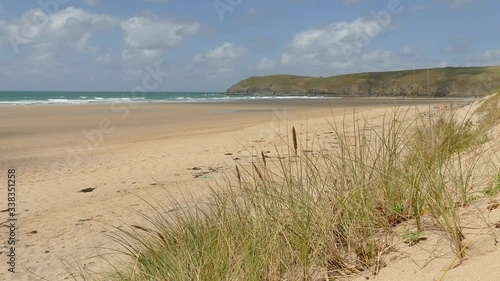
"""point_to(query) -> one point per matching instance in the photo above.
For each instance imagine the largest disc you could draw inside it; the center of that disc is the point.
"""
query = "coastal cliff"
(437, 82)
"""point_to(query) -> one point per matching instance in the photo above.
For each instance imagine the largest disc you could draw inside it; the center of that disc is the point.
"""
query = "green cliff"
(438, 82)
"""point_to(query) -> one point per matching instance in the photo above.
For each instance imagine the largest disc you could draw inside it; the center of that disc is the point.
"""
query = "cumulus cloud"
(344, 47)
(68, 25)
(225, 52)
(339, 42)
(52, 38)
(139, 56)
(145, 37)
(153, 32)
(219, 63)
(83, 44)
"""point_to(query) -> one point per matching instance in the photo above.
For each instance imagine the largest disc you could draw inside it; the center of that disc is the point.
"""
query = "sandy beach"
(122, 153)
(249, 140)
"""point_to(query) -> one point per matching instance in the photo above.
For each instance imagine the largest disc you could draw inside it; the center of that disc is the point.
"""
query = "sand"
(124, 153)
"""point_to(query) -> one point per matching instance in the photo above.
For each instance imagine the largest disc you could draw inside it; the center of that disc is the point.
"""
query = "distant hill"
(438, 82)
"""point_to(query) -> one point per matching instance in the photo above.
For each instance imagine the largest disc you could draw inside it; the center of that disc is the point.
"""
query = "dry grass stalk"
(258, 172)
(294, 139)
(238, 174)
(263, 158)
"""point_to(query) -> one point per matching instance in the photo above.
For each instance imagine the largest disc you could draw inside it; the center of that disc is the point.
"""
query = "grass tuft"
(317, 216)
(494, 188)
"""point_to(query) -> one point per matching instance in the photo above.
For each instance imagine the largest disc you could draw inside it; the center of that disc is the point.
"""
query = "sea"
(12, 98)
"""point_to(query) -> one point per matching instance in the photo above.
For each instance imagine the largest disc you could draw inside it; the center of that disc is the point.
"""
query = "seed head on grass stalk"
(294, 138)
(258, 172)
(238, 174)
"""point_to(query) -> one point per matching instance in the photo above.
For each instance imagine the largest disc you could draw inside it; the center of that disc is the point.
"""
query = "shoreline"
(230, 100)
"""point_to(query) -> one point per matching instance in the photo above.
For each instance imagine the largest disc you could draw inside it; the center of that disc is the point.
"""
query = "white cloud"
(338, 42)
(77, 26)
(137, 56)
(83, 44)
(146, 37)
(68, 29)
(152, 32)
(225, 52)
(68, 25)
(266, 64)
(491, 54)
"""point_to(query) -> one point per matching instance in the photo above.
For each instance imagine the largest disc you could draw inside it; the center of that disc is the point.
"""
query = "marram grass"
(314, 217)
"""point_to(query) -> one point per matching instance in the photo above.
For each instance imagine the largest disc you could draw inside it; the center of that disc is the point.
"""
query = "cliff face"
(439, 82)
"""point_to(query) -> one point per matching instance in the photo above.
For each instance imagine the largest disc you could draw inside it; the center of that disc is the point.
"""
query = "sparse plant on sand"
(316, 216)
(493, 188)
(413, 237)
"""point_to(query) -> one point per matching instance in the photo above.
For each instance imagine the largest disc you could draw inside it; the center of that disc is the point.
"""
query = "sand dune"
(83, 170)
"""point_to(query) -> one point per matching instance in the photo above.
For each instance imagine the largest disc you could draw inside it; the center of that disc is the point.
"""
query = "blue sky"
(208, 45)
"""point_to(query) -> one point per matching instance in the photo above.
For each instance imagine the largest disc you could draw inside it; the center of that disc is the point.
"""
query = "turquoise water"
(33, 98)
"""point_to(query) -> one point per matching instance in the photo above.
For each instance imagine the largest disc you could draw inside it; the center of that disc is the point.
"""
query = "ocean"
(47, 97)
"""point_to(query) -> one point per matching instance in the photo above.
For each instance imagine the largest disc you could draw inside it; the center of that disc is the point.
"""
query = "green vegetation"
(411, 238)
(437, 82)
(494, 188)
(490, 110)
(310, 216)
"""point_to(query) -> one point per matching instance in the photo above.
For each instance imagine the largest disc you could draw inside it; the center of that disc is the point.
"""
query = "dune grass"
(490, 109)
(315, 216)
(494, 188)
